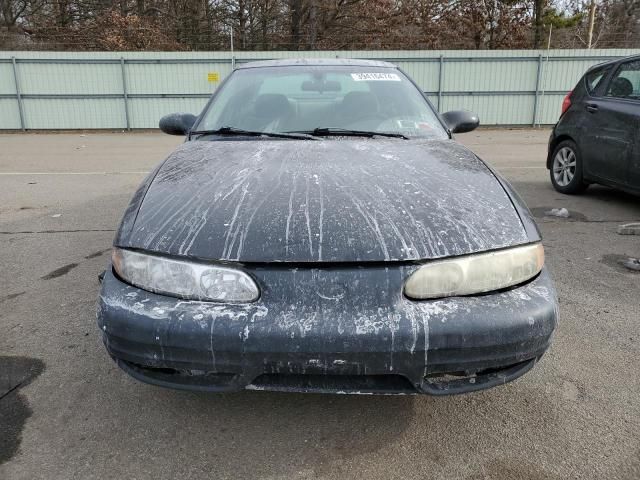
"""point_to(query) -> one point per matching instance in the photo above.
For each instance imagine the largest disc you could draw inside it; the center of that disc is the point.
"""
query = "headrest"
(271, 105)
(360, 102)
(621, 87)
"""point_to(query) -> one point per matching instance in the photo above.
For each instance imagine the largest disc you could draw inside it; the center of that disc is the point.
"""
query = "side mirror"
(461, 121)
(177, 123)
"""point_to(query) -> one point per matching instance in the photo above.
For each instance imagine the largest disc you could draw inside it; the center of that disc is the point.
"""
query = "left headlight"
(478, 273)
(179, 278)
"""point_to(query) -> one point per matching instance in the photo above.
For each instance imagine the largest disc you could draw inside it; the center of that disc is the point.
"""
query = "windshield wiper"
(250, 133)
(345, 132)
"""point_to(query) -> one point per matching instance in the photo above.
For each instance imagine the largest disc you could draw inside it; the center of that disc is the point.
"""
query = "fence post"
(440, 77)
(125, 94)
(18, 93)
(535, 103)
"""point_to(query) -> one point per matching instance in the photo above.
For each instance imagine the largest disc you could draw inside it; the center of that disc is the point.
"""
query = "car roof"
(333, 62)
(614, 61)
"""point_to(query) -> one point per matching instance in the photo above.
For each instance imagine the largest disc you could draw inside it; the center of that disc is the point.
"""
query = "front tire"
(566, 168)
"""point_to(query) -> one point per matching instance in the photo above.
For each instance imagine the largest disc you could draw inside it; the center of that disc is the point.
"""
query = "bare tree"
(315, 24)
(538, 22)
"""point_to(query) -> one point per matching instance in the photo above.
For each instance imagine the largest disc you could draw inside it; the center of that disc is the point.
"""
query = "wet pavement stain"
(59, 271)
(97, 254)
(15, 373)
(11, 296)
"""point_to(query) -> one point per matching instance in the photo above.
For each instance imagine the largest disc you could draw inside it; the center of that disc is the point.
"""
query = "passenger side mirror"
(461, 121)
(177, 123)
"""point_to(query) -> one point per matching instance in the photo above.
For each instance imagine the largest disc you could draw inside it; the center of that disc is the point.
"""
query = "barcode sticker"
(375, 77)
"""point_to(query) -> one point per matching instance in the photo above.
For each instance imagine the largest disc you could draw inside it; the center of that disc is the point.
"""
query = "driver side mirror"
(177, 123)
(461, 121)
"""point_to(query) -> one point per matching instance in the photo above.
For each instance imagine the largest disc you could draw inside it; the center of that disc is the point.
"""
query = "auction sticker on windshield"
(375, 76)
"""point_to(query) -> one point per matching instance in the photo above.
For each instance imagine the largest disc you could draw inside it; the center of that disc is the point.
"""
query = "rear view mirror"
(461, 121)
(177, 123)
(320, 86)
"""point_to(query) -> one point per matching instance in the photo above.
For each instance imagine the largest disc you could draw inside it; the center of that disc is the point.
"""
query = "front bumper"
(331, 330)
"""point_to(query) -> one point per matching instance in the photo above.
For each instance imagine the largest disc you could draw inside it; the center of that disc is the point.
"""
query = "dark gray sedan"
(320, 231)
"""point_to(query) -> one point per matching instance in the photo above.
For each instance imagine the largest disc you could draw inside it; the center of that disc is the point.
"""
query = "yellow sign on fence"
(213, 77)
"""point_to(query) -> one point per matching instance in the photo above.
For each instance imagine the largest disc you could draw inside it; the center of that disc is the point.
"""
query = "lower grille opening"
(461, 381)
(182, 376)
(333, 383)
(470, 376)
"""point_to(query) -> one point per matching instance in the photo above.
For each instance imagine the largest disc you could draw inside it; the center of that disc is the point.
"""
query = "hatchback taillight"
(566, 103)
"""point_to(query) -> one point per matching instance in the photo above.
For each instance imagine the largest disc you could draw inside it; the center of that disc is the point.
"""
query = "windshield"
(304, 98)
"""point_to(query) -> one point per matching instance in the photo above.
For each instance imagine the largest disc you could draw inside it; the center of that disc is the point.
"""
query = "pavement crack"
(12, 389)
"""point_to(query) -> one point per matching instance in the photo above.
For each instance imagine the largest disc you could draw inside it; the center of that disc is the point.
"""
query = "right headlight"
(480, 273)
(183, 278)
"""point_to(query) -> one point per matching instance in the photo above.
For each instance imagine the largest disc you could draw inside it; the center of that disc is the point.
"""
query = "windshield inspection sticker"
(371, 77)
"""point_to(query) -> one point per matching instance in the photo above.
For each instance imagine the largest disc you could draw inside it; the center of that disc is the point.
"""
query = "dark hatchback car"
(597, 139)
(320, 231)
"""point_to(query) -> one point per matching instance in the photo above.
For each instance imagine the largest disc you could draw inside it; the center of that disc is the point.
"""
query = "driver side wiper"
(345, 132)
(251, 133)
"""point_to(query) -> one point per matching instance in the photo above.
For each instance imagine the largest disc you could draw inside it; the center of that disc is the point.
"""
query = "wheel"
(566, 168)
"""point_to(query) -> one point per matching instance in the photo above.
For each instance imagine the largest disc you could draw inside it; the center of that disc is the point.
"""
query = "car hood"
(321, 201)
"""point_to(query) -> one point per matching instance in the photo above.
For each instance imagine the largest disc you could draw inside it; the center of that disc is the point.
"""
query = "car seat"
(271, 111)
(357, 106)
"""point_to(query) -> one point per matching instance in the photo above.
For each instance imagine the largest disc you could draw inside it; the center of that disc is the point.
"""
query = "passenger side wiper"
(345, 132)
(251, 133)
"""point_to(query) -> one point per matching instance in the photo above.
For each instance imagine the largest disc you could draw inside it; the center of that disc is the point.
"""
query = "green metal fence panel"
(69, 90)
(73, 113)
(7, 83)
(145, 112)
(9, 114)
(163, 78)
(494, 109)
(65, 79)
(550, 106)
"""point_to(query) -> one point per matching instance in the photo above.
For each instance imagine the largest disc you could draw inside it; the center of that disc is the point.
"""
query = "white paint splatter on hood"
(333, 200)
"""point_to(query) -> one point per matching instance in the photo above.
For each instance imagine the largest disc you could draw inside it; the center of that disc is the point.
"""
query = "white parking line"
(499, 167)
(74, 173)
(514, 167)
(16, 174)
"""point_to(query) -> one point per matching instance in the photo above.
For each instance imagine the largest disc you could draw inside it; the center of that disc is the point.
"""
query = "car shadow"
(607, 194)
(284, 433)
(318, 434)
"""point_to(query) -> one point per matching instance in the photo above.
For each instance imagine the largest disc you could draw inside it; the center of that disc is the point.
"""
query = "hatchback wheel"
(566, 168)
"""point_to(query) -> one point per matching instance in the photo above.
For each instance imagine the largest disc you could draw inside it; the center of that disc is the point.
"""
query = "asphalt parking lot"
(73, 414)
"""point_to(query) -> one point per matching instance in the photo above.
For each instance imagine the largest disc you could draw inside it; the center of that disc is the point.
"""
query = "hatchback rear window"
(593, 79)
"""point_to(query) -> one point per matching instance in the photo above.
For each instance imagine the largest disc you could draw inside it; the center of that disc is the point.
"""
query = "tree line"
(317, 24)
